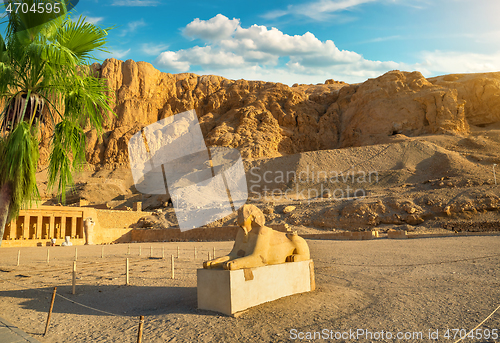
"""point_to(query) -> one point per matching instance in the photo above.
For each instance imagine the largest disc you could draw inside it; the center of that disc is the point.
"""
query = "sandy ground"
(390, 285)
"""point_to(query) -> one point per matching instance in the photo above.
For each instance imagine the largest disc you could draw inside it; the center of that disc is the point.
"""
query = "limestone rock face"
(399, 102)
(480, 92)
(265, 119)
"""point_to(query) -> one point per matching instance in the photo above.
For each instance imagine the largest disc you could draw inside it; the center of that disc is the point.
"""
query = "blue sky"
(303, 41)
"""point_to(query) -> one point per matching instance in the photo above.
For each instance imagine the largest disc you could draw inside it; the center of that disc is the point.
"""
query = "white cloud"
(258, 50)
(134, 3)
(94, 20)
(381, 39)
(446, 62)
(205, 57)
(132, 27)
(324, 10)
(262, 53)
(172, 61)
(218, 27)
(153, 49)
(318, 10)
(118, 54)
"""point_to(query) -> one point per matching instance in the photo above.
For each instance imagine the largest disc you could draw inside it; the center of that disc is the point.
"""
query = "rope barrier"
(90, 307)
(63, 297)
(417, 264)
(492, 313)
(348, 265)
(84, 264)
(70, 300)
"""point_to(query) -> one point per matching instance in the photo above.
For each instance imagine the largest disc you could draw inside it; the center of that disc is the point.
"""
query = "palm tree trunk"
(5, 199)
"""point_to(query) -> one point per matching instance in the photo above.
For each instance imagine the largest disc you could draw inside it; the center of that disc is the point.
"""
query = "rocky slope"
(264, 119)
(431, 143)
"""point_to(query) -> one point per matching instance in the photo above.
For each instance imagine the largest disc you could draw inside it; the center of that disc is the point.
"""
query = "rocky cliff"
(264, 119)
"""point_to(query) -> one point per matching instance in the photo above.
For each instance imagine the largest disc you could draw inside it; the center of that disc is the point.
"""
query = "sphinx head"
(249, 216)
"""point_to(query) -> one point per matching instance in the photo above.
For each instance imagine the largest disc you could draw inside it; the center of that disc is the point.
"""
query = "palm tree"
(45, 78)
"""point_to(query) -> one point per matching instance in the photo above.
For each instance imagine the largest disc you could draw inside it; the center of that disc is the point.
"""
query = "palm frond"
(87, 100)
(44, 63)
(3, 51)
(68, 155)
(18, 165)
(53, 53)
(7, 76)
(82, 38)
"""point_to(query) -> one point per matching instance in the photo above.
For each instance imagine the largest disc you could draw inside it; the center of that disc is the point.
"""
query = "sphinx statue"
(257, 245)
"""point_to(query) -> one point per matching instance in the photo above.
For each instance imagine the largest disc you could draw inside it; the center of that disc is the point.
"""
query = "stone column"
(12, 229)
(26, 227)
(52, 227)
(88, 227)
(73, 227)
(39, 228)
(63, 226)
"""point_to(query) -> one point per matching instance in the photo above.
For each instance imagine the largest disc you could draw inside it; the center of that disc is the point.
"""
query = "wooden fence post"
(74, 278)
(139, 332)
(172, 273)
(50, 311)
(126, 273)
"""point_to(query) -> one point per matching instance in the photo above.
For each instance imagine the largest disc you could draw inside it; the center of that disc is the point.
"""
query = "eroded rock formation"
(264, 119)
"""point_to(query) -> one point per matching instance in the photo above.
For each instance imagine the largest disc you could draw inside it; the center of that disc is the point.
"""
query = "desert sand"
(392, 285)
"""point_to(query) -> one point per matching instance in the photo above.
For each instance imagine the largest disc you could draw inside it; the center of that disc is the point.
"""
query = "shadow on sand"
(119, 300)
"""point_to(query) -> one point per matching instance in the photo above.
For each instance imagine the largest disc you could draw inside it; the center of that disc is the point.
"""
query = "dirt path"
(390, 285)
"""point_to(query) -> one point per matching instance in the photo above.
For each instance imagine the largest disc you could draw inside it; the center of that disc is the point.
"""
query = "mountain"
(266, 119)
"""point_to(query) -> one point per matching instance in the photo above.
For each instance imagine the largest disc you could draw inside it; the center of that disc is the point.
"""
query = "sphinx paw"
(290, 258)
(230, 265)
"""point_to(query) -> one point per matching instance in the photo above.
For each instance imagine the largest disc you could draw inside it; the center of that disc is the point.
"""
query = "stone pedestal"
(233, 291)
